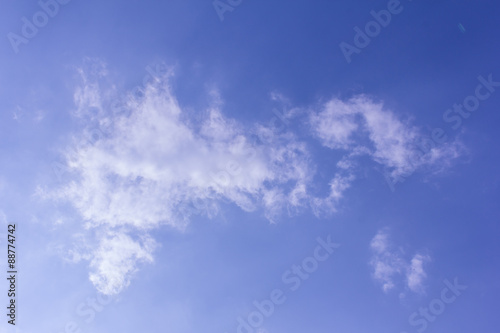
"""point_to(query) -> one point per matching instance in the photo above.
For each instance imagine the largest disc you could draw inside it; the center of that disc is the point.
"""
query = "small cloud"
(18, 114)
(415, 273)
(39, 116)
(338, 185)
(386, 262)
(117, 259)
(389, 266)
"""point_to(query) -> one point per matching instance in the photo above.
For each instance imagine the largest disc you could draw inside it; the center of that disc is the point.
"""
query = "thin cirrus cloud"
(390, 269)
(362, 127)
(155, 164)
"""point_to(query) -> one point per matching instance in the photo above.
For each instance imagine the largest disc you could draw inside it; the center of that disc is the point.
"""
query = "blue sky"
(199, 166)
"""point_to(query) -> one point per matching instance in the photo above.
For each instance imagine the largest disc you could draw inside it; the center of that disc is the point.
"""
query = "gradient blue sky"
(143, 161)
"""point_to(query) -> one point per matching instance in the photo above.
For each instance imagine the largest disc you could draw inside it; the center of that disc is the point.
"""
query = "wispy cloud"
(389, 266)
(386, 262)
(338, 185)
(116, 259)
(153, 159)
(415, 274)
(362, 127)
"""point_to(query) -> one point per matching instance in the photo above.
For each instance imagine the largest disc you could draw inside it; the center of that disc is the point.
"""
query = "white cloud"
(338, 185)
(415, 273)
(363, 127)
(389, 266)
(386, 262)
(335, 124)
(150, 161)
(379, 244)
(151, 164)
(116, 259)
